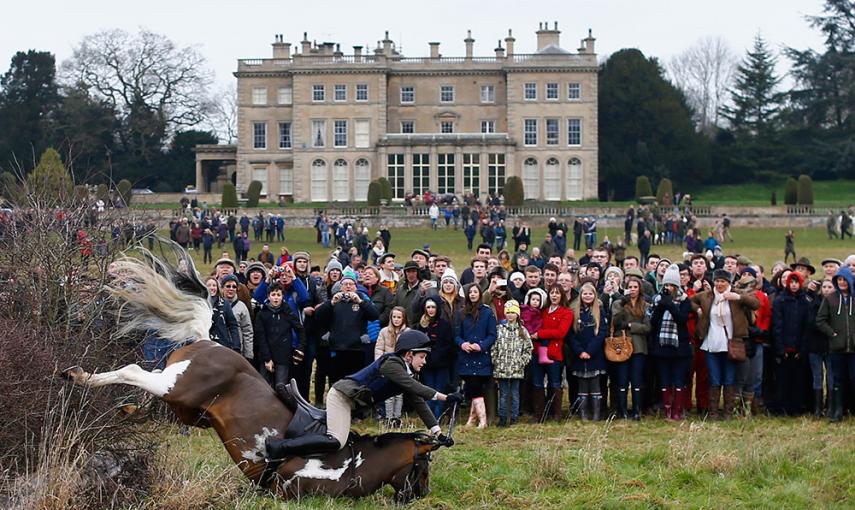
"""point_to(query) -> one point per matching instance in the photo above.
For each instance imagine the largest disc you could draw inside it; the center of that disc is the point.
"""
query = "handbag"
(618, 348)
(736, 350)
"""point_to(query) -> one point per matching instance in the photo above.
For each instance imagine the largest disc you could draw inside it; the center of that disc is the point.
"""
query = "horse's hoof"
(72, 374)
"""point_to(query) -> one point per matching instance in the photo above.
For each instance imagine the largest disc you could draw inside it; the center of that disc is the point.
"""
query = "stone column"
(408, 169)
(483, 170)
(458, 170)
(433, 181)
(200, 185)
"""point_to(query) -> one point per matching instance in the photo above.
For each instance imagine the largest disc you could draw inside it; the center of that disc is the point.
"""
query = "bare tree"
(222, 116)
(705, 72)
(155, 86)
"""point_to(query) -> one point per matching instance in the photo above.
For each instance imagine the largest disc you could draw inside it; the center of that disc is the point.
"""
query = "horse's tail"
(158, 299)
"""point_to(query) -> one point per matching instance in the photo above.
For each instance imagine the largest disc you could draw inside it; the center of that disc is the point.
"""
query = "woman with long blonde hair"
(587, 336)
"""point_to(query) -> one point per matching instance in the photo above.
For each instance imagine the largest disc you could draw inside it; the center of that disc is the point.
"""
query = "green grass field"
(764, 246)
(826, 193)
(749, 463)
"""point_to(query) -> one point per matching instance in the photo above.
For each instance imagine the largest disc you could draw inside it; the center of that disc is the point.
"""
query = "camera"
(345, 296)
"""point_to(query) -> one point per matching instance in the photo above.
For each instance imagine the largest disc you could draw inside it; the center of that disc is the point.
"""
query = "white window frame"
(362, 133)
(488, 94)
(574, 130)
(553, 136)
(339, 88)
(339, 133)
(574, 91)
(411, 124)
(527, 124)
(256, 136)
(285, 95)
(531, 178)
(286, 180)
(552, 179)
(446, 89)
(395, 173)
(446, 124)
(575, 176)
(319, 93)
(445, 173)
(340, 184)
(471, 173)
(361, 88)
(552, 92)
(421, 173)
(286, 135)
(408, 94)
(361, 179)
(488, 126)
(259, 96)
(496, 173)
(530, 91)
(322, 123)
(318, 181)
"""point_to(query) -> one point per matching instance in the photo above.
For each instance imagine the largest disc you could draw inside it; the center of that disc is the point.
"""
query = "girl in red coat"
(557, 319)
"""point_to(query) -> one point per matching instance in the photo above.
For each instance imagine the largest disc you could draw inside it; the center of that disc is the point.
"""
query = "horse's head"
(412, 480)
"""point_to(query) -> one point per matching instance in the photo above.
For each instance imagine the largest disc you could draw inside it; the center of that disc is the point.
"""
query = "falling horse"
(208, 385)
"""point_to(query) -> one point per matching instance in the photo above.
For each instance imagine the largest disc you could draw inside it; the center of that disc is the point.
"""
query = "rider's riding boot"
(280, 386)
(277, 449)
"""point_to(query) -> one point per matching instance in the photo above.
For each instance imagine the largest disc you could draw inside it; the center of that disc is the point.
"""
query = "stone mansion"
(318, 125)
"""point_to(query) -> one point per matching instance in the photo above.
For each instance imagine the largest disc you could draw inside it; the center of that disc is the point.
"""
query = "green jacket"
(836, 318)
(638, 327)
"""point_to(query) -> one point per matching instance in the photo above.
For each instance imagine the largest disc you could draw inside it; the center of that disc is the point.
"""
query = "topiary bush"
(375, 192)
(791, 192)
(253, 194)
(642, 187)
(50, 179)
(386, 186)
(125, 192)
(230, 200)
(804, 194)
(514, 191)
(665, 192)
(102, 193)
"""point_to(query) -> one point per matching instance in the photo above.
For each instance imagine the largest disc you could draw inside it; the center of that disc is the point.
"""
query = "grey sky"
(227, 30)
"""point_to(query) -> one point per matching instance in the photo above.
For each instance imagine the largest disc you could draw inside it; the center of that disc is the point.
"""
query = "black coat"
(383, 301)
(680, 313)
(273, 333)
(224, 328)
(817, 341)
(790, 323)
(443, 352)
(347, 322)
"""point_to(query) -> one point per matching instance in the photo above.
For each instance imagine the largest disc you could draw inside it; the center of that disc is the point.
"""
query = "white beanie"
(540, 292)
(672, 276)
(449, 274)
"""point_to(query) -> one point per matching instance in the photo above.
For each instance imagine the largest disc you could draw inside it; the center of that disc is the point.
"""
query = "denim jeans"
(629, 372)
(325, 238)
(156, 350)
(843, 366)
(816, 363)
(438, 379)
(551, 372)
(721, 370)
(673, 372)
(509, 388)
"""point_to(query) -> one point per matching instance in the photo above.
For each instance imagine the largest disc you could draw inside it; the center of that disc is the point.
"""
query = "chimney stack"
(469, 41)
(434, 50)
(500, 52)
(387, 45)
(281, 49)
(305, 44)
(588, 43)
(509, 43)
(357, 53)
(545, 36)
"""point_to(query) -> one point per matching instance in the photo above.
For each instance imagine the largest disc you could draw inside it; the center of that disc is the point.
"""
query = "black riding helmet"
(412, 340)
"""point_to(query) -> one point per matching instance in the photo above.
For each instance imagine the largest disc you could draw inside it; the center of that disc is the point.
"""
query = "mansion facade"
(318, 125)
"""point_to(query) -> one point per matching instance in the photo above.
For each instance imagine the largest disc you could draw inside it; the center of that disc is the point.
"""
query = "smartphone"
(432, 284)
(502, 283)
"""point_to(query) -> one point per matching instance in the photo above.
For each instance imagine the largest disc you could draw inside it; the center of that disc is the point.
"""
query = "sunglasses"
(229, 286)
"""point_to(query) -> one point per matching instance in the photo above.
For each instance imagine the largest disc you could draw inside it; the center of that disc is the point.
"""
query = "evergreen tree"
(646, 127)
(50, 180)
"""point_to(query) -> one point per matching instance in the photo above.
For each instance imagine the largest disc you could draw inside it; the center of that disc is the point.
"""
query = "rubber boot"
(473, 415)
(597, 404)
(481, 410)
(715, 395)
(584, 413)
(748, 404)
(636, 404)
(729, 402)
(677, 409)
(836, 405)
(537, 403)
(817, 403)
(278, 449)
(621, 404)
(667, 397)
(557, 402)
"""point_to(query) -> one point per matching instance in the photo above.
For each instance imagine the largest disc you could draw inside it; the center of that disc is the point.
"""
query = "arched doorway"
(552, 180)
(531, 179)
(319, 180)
(341, 181)
(574, 179)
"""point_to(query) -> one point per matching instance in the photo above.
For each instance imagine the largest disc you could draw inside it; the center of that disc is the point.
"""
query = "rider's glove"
(454, 398)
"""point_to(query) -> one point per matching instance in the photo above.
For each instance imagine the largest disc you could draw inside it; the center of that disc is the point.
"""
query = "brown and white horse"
(208, 385)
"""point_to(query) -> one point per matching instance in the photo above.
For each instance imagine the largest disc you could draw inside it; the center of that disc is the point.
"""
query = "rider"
(388, 376)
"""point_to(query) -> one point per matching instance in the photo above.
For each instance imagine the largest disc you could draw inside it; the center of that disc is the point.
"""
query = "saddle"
(307, 419)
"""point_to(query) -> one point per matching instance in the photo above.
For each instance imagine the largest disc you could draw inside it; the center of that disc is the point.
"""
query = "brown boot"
(715, 395)
(748, 408)
(557, 400)
(729, 402)
(537, 404)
